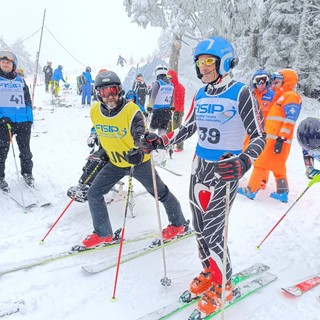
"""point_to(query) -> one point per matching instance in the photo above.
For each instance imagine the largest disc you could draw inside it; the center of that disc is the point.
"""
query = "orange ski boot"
(202, 283)
(211, 300)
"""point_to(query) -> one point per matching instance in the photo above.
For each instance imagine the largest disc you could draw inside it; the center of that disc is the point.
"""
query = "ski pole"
(122, 233)
(305, 190)
(225, 251)
(17, 170)
(165, 281)
(70, 202)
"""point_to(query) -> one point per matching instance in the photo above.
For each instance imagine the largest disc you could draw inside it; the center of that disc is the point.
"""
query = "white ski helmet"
(161, 69)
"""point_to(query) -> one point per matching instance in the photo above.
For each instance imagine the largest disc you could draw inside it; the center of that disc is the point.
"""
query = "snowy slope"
(61, 290)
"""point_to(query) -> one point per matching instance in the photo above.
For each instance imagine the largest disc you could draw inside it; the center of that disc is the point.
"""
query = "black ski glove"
(278, 145)
(152, 141)
(232, 168)
(5, 121)
(134, 156)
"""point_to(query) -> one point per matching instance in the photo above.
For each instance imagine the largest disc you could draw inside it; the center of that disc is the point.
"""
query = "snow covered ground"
(62, 290)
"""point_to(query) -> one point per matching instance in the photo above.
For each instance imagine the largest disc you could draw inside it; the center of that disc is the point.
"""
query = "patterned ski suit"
(221, 114)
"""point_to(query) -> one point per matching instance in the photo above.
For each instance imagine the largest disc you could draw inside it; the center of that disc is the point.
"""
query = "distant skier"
(48, 72)
(121, 61)
(87, 87)
(141, 88)
(56, 77)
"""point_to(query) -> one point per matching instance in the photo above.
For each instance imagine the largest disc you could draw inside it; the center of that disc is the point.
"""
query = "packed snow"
(62, 290)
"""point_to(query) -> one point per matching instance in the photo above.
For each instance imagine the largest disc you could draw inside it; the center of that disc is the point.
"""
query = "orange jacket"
(265, 99)
(280, 122)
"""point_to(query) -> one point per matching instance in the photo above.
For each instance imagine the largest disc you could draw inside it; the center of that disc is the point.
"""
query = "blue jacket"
(57, 75)
(15, 101)
(88, 77)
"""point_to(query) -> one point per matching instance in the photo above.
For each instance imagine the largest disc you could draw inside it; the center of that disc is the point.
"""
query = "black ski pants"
(22, 132)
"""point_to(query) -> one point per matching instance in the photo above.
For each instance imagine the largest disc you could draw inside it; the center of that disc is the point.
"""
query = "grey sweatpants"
(109, 176)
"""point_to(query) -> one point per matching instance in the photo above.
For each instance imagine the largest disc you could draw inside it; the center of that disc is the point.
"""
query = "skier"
(56, 77)
(265, 97)
(15, 118)
(280, 124)
(132, 95)
(160, 106)
(308, 135)
(121, 61)
(141, 88)
(178, 104)
(48, 72)
(86, 87)
(221, 113)
(119, 126)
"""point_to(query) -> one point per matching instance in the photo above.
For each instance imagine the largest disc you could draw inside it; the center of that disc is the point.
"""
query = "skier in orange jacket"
(279, 126)
(265, 98)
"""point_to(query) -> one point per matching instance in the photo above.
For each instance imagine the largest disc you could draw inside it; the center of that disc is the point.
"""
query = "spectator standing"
(48, 72)
(178, 104)
(141, 88)
(87, 87)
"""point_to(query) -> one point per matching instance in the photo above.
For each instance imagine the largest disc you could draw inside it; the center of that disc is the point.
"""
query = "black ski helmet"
(308, 133)
(106, 79)
(88, 69)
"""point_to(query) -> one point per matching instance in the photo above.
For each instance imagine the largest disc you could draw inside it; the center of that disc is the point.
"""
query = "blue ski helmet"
(221, 49)
(308, 133)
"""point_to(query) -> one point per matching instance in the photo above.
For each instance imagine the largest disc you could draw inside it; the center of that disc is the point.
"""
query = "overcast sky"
(94, 32)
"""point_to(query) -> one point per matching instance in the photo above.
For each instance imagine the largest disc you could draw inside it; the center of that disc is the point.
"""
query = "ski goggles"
(7, 55)
(207, 62)
(260, 80)
(105, 92)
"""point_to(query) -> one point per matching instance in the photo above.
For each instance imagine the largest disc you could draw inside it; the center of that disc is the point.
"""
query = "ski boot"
(283, 197)
(201, 283)
(93, 240)
(246, 192)
(28, 179)
(171, 232)
(78, 192)
(4, 185)
(211, 301)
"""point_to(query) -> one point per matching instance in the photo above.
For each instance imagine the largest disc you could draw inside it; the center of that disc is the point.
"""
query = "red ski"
(302, 287)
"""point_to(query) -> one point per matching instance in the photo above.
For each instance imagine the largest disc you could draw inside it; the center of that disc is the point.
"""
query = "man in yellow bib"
(119, 126)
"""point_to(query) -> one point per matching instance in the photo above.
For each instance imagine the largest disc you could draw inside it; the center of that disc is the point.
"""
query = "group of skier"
(236, 129)
(52, 78)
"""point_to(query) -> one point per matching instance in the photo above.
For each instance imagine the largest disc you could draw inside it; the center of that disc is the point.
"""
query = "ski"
(26, 203)
(171, 171)
(155, 245)
(38, 198)
(242, 292)
(300, 288)
(74, 251)
(186, 299)
(10, 308)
